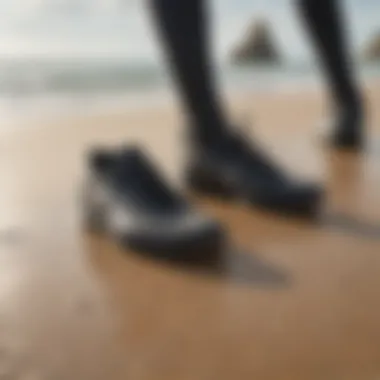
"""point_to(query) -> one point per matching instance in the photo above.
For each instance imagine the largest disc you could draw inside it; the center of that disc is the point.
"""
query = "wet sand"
(289, 300)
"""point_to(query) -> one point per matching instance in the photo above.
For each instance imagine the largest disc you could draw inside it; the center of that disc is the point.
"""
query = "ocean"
(59, 55)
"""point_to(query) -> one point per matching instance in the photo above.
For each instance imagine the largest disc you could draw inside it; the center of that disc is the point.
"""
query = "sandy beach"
(294, 300)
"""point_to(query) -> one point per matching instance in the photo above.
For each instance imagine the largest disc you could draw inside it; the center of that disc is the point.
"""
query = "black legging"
(325, 23)
(183, 26)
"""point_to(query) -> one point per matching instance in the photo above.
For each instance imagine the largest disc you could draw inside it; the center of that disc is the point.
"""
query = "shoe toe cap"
(296, 199)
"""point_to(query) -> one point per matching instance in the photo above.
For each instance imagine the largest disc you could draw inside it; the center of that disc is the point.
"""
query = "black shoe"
(349, 133)
(127, 197)
(231, 167)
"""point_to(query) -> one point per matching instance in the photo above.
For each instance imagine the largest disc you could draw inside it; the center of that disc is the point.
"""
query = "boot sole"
(305, 205)
(205, 245)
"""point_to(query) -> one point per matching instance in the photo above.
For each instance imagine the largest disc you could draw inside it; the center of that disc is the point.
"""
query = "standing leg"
(222, 161)
(324, 20)
(184, 29)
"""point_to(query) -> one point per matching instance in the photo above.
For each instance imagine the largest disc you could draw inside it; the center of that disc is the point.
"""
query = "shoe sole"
(207, 245)
(350, 145)
(306, 205)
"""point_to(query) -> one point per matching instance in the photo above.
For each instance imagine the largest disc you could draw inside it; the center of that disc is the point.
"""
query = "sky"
(121, 28)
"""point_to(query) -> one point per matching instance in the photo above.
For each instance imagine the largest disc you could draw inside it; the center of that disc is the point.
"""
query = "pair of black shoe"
(128, 197)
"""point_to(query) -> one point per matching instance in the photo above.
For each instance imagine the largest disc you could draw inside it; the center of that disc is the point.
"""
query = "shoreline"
(18, 113)
(24, 114)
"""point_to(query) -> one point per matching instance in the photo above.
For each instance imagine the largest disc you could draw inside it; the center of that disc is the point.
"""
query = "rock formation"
(257, 46)
(372, 51)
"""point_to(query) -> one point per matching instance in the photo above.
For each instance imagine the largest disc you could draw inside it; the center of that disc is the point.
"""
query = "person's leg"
(222, 161)
(324, 20)
(183, 27)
